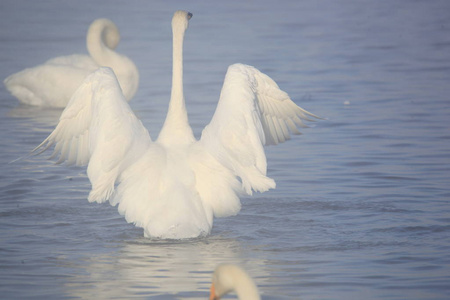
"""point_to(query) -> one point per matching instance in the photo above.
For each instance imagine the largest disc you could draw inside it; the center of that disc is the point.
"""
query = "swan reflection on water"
(159, 268)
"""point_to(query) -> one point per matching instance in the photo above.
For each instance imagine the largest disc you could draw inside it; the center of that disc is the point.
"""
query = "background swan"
(229, 278)
(174, 186)
(54, 82)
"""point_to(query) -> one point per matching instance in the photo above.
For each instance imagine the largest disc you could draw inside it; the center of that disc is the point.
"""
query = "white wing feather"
(252, 112)
(98, 127)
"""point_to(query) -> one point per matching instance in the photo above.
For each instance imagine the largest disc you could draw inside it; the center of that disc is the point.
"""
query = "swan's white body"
(53, 83)
(174, 186)
(231, 278)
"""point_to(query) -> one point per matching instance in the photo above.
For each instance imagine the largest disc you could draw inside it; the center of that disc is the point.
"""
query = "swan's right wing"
(99, 128)
(252, 112)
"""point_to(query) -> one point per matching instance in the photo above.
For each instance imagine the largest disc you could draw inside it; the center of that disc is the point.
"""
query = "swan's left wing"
(252, 112)
(99, 128)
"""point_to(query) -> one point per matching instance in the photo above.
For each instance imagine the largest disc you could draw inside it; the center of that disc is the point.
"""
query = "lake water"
(361, 209)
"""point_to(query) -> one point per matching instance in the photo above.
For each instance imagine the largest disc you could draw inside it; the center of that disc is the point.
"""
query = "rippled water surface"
(361, 209)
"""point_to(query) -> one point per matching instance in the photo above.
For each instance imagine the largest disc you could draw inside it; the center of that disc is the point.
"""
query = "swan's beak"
(189, 15)
(212, 294)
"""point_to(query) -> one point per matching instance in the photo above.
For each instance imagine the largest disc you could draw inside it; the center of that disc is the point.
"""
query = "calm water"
(361, 209)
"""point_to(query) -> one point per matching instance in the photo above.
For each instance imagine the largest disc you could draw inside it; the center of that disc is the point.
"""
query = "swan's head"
(228, 278)
(107, 30)
(180, 20)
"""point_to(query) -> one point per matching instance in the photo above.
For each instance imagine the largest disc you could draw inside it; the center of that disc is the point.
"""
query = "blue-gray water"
(361, 209)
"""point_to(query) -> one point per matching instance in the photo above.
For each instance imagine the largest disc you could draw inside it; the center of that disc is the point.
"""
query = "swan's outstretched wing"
(99, 128)
(252, 112)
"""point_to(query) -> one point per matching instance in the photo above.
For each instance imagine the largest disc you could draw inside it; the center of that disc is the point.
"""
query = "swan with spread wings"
(175, 185)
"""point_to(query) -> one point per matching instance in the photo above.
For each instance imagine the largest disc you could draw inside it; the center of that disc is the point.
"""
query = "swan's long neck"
(102, 38)
(245, 288)
(229, 278)
(176, 127)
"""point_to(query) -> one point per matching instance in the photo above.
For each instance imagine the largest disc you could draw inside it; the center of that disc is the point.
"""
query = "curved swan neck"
(103, 36)
(229, 278)
(176, 126)
(246, 289)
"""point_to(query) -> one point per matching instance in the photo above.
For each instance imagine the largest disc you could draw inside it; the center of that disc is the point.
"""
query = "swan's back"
(158, 193)
(52, 83)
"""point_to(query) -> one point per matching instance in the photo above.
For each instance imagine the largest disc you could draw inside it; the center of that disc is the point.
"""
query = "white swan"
(174, 186)
(231, 278)
(54, 82)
